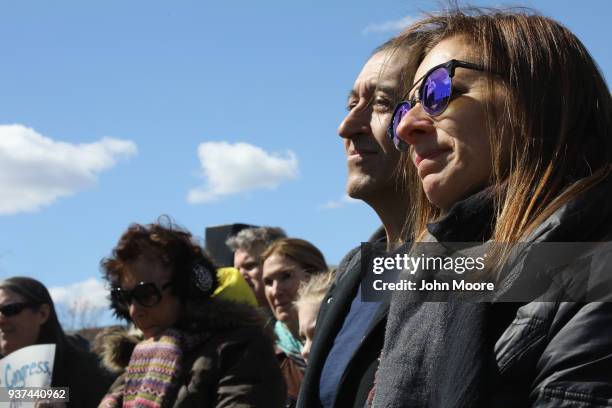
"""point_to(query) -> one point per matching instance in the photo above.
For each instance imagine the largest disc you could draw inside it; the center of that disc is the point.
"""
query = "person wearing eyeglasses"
(28, 317)
(509, 130)
(197, 350)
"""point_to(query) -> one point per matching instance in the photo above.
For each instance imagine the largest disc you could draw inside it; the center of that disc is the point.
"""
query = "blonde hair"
(314, 289)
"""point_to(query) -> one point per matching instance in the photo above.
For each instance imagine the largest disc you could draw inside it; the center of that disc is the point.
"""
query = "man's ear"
(44, 311)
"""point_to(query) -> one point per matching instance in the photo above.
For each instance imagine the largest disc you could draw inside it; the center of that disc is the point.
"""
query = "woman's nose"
(274, 289)
(136, 309)
(414, 125)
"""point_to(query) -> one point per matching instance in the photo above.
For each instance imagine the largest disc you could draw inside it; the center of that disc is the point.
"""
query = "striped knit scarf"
(150, 379)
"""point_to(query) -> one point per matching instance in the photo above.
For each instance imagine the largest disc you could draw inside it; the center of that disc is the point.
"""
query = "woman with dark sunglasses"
(197, 350)
(509, 132)
(27, 317)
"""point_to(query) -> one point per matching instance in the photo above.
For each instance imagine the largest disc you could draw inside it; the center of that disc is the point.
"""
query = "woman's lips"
(283, 306)
(432, 154)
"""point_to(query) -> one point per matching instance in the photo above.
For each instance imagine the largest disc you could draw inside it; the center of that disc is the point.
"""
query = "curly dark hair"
(173, 246)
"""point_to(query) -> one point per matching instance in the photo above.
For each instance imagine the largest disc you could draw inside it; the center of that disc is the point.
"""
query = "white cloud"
(392, 26)
(334, 204)
(36, 170)
(83, 304)
(92, 291)
(235, 168)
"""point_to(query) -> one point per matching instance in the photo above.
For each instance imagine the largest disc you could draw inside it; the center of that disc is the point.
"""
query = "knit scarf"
(151, 377)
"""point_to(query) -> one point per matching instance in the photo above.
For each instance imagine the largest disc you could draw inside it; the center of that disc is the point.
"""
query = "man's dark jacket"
(358, 378)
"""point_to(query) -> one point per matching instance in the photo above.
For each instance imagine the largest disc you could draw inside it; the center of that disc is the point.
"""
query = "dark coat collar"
(585, 217)
(469, 220)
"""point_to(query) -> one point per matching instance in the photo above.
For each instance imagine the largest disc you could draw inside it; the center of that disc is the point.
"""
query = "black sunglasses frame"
(124, 298)
(13, 309)
(450, 67)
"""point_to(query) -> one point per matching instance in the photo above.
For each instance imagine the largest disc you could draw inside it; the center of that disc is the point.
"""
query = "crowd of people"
(471, 126)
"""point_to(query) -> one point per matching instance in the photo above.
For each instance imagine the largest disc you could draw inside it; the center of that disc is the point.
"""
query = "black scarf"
(432, 356)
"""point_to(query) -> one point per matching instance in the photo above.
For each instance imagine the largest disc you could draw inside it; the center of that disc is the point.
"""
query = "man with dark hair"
(350, 332)
(248, 245)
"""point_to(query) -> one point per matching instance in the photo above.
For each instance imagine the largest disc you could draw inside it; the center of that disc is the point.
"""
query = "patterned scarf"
(151, 377)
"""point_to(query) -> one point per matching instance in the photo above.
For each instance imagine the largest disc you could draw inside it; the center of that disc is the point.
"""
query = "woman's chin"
(282, 317)
(439, 194)
(435, 195)
(151, 332)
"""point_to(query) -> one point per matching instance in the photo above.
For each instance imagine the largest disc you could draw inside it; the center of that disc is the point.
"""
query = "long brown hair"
(551, 136)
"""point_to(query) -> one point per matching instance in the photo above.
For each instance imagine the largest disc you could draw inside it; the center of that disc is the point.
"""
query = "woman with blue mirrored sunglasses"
(435, 93)
(518, 170)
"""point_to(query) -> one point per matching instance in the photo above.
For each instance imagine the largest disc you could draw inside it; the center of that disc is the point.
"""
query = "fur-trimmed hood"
(211, 316)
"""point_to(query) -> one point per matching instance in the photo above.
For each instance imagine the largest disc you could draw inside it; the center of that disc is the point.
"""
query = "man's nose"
(356, 122)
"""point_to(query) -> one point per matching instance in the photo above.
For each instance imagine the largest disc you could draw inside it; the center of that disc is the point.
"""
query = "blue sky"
(118, 112)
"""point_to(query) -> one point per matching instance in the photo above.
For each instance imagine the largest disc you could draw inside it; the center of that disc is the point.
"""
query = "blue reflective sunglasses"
(435, 93)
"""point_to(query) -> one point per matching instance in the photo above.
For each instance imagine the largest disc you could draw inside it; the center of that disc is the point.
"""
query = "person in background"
(287, 263)
(28, 317)
(232, 286)
(248, 246)
(309, 298)
(509, 130)
(197, 350)
(346, 348)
